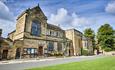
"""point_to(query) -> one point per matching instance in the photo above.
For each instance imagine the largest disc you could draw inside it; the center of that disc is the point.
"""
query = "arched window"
(36, 28)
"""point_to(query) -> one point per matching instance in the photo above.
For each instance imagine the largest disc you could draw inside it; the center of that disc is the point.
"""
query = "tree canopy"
(89, 33)
(105, 36)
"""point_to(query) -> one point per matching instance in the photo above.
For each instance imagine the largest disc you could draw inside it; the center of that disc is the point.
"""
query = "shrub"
(55, 53)
(85, 52)
(58, 54)
(107, 49)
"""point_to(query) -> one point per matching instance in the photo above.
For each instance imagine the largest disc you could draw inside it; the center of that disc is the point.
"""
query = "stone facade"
(76, 37)
(47, 40)
(87, 45)
(6, 50)
(34, 37)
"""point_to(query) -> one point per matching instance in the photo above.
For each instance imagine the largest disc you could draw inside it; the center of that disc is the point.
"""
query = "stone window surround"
(38, 27)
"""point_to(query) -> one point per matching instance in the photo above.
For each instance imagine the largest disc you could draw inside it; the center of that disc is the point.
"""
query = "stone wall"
(23, 37)
(76, 38)
(20, 26)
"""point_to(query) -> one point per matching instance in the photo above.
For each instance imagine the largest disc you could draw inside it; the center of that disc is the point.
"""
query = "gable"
(36, 12)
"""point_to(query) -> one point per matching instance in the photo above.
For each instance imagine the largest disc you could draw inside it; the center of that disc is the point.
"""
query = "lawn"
(106, 63)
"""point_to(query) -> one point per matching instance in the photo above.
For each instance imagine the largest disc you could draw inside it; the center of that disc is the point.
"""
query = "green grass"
(106, 63)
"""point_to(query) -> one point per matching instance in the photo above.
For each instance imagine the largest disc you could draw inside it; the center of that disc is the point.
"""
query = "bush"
(85, 52)
(58, 54)
(54, 53)
(107, 49)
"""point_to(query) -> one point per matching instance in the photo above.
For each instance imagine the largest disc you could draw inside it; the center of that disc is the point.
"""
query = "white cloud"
(66, 20)
(7, 22)
(3, 0)
(5, 12)
(7, 26)
(59, 17)
(110, 8)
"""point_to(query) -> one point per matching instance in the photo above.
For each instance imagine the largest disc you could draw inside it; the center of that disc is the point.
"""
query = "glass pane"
(29, 50)
(36, 51)
(50, 46)
(32, 50)
(36, 28)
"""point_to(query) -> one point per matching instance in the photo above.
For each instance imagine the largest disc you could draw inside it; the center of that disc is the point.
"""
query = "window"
(48, 32)
(59, 34)
(50, 46)
(36, 28)
(52, 33)
(55, 33)
(86, 44)
(59, 46)
(30, 51)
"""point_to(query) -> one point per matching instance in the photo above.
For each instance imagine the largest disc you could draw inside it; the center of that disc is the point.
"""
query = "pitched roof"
(54, 27)
(30, 9)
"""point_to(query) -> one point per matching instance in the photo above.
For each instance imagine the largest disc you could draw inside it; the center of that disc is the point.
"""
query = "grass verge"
(107, 63)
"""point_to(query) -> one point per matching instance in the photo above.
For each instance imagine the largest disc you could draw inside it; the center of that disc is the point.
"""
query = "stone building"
(5, 47)
(87, 45)
(35, 37)
(76, 37)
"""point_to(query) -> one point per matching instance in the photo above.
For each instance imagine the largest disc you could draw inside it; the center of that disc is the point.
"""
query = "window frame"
(25, 50)
(50, 46)
(36, 25)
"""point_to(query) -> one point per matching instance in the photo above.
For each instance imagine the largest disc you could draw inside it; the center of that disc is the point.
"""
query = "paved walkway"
(21, 65)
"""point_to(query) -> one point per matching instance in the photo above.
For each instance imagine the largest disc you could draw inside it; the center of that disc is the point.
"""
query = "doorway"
(4, 54)
(40, 51)
(17, 53)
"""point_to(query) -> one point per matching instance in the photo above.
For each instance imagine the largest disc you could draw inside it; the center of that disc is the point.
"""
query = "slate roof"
(54, 27)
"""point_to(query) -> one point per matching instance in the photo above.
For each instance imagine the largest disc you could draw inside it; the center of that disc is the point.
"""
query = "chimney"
(0, 32)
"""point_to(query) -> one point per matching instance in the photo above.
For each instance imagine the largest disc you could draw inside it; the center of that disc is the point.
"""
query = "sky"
(78, 14)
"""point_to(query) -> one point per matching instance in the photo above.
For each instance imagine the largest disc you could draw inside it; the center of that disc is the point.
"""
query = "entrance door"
(17, 53)
(4, 54)
(40, 50)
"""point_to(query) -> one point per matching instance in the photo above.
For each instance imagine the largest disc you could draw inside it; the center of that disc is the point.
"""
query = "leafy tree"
(90, 34)
(105, 36)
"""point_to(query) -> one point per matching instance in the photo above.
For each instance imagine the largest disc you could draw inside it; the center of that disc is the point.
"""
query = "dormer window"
(36, 28)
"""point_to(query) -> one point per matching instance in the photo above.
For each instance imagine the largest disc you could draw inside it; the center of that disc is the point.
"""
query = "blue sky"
(79, 14)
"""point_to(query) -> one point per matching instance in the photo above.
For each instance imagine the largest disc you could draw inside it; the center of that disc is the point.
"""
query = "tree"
(89, 33)
(105, 36)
